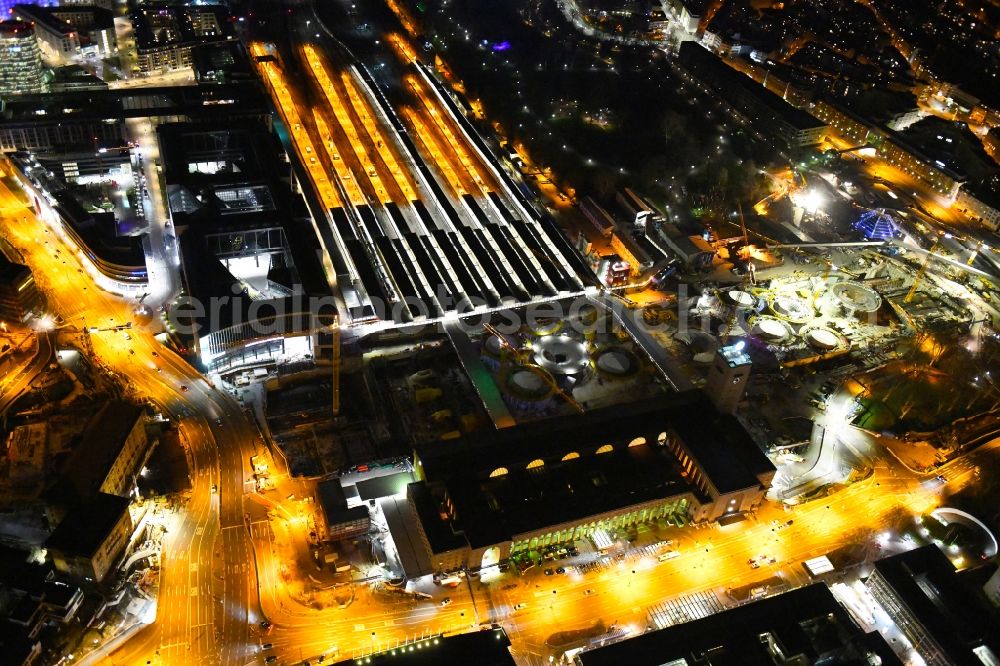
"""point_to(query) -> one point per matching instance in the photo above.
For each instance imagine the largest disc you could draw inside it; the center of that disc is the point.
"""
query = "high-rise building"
(20, 59)
(727, 380)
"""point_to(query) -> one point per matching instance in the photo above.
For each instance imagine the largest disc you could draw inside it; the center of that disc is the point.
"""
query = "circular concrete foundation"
(792, 309)
(824, 339)
(856, 297)
(617, 362)
(560, 354)
(772, 330)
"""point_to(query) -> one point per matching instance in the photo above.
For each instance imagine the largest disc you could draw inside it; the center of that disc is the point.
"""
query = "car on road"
(266, 646)
(521, 605)
(587, 592)
(218, 421)
(184, 388)
(549, 572)
(753, 563)
(446, 601)
(561, 570)
(271, 659)
(215, 488)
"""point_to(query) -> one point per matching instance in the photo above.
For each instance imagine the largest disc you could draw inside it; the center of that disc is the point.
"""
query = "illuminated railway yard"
(424, 221)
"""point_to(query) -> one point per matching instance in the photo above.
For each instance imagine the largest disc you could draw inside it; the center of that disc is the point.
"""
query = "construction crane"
(749, 279)
(920, 273)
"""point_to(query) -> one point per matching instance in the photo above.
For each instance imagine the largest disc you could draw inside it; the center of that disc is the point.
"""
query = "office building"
(19, 295)
(805, 627)
(674, 460)
(166, 34)
(107, 459)
(342, 522)
(119, 261)
(69, 32)
(20, 59)
(30, 601)
(243, 230)
(728, 378)
(91, 537)
(948, 622)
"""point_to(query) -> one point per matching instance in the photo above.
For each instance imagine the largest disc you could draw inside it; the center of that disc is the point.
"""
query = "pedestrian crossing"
(684, 609)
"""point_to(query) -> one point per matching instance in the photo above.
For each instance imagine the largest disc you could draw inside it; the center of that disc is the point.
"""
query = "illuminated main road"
(222, 542)
(207, 585)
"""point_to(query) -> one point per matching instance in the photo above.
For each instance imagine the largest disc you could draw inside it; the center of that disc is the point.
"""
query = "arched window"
(607, 448)
(572, 455)
(499, 471)
(536, 463)
(638, 441)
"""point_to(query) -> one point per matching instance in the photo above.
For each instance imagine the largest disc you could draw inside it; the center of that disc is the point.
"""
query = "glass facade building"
(20, 59)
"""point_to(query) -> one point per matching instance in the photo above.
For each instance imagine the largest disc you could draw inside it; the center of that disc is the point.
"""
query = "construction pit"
(560, 366)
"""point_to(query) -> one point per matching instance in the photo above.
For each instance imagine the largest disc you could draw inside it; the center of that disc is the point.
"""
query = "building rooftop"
(158, 26)
(482, 648)
(522, 501)
(986, 190)
(100, 445)
(20, 574)
(806, 626)
(61, 19)
(204, 102)
(955, 615)
(383, 486)
(713, 71)
(550, 439)
(11, 272)
(87, 525)
(9, 29)
(499, 489)
(334, 503)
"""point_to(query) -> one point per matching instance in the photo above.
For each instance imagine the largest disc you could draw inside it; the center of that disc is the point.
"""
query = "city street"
(208, 580)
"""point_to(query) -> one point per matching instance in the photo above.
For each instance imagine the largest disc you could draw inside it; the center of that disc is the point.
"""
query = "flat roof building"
(759, 108)
(341, 522)
(948, 622)
(19, 295)
(242, 227)
(481, 648)
(111, 452)
(678, 460)
(119, 260)
(69, 32)
(166, 34)
(91, 537)
(806, 627)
